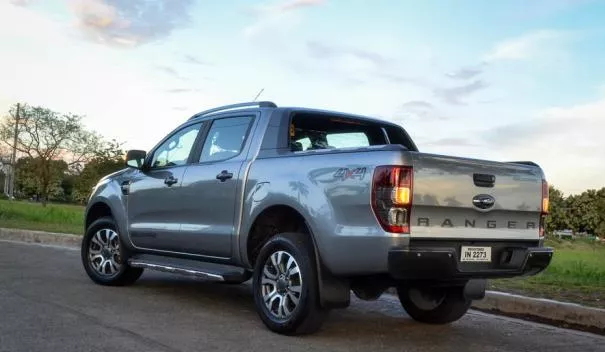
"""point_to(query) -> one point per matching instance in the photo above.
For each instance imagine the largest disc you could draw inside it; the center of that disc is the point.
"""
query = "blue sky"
(501, 80)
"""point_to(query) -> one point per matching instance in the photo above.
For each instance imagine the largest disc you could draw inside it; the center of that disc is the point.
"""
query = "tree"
(583, 213)
(26, 181)
(557, 218)
(45, 136)
(107, 160)
(600, 207)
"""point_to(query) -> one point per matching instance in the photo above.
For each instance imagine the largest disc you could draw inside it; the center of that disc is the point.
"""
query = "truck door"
(212, 187)
(154, 195)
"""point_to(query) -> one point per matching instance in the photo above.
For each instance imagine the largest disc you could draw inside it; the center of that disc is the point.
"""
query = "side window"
(225, 138)
(175, 150)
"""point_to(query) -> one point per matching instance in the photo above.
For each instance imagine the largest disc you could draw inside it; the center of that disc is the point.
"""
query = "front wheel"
(434, 305)
(286, 292)
(103, 255)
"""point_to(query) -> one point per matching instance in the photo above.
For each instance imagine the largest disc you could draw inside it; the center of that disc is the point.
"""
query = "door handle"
(170, 180)
(224, 175)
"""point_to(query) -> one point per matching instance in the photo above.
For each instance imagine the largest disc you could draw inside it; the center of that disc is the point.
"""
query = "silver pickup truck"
(312, 205)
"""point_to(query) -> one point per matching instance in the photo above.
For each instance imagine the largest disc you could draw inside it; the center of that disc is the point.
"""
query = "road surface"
(47, 303)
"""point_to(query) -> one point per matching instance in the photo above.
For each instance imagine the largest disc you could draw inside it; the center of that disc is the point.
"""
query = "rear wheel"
(285, 285)
(434, 305)
(104, 256)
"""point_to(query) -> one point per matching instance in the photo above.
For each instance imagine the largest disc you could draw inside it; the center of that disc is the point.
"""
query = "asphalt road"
(47, 303)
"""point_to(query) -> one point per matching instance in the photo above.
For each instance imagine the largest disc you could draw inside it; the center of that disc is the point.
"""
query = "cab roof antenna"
(259, 93)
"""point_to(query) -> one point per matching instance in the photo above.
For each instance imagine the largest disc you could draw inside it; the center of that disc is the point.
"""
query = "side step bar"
(188, 267)
(175, 270)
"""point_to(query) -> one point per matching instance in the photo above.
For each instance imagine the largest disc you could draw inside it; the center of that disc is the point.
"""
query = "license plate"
(476, 254)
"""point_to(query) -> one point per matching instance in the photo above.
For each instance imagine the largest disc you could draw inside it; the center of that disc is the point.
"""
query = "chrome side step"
(176, 270)
(205, 270)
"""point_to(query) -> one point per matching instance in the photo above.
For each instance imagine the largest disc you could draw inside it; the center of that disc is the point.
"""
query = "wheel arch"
(268, 222)
(101, 206)
(96, 211)
(334, 292)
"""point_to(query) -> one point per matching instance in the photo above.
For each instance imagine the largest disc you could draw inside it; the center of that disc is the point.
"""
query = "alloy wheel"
(281, 284)
(104, 252)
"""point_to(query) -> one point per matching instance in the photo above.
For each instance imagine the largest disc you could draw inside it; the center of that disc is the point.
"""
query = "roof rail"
(260, 104)
(530, 163)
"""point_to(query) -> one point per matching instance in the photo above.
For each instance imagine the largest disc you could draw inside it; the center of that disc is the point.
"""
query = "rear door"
(212, 187)
(155, 196)
(475, 199)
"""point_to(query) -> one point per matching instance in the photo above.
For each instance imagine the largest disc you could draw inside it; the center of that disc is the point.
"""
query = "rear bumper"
(443, 263)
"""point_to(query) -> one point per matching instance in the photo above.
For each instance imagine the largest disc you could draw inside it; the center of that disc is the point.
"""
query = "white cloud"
(130, 22)
(20, 2)
(566, 141)
(42, 64)
(279, 16)
(526, 46)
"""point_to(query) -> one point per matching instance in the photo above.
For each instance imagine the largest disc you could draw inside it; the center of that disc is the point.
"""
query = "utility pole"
(11, 189)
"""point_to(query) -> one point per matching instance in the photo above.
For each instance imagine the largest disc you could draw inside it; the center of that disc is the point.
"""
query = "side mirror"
(135, 158)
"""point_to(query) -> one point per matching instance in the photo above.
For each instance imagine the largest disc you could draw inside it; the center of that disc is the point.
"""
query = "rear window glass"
(348, 139)
(318, 131)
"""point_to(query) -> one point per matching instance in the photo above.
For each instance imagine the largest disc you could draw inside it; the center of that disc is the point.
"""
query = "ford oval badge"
(484, 201)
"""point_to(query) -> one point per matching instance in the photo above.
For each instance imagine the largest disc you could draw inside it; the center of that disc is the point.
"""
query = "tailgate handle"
(484, 180)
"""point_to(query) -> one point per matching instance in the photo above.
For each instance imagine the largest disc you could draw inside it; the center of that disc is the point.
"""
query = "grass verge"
(576, 274)
(33, 216)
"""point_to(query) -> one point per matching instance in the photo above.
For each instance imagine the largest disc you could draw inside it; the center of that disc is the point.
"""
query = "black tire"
(308, 316)
(125, 275)
(449, 305)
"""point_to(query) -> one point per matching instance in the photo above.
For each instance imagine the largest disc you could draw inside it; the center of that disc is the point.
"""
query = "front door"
(154, 198)
(212, 187)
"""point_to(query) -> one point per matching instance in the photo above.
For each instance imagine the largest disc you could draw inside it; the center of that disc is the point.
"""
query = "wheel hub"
(106, 253)
(282, 284)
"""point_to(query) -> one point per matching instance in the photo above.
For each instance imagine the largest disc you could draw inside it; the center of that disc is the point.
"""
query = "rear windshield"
(311, 131)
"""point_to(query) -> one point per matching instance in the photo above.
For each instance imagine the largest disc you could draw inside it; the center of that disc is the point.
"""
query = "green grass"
(33, 216)
(576, 274)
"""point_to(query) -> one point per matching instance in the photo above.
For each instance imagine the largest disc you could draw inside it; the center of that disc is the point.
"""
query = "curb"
(569, 315)
(549, 311)
(29, 236)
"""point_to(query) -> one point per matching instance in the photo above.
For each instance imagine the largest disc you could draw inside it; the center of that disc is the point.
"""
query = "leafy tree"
(557, 218)
(107, 160)
(46, 136)
(600, 207)
(26, 180)
(583, 213)
(68, 185)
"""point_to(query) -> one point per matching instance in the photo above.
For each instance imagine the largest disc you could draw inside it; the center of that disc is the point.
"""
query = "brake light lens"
(545, 204)
(392, 197)
(545, 197)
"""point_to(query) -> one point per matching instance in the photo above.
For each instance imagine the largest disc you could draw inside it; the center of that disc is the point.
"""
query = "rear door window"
(225, 139)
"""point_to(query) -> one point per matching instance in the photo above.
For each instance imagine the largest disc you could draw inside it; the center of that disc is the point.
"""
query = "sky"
(497, 80)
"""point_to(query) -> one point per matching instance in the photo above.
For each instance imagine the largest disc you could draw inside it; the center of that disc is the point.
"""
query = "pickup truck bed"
(312, 205)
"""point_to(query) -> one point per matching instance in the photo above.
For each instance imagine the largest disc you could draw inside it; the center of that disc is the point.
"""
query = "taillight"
(544, 197)
(544, 207)
(392, 197)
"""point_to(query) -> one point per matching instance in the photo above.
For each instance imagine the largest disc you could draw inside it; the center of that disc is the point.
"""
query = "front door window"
(175, 150)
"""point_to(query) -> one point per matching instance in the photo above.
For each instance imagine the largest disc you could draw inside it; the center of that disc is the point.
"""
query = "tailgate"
(475, 199)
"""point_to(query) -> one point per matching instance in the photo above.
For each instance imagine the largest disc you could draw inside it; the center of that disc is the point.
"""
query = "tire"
(305, 317)
(102, 232)
(446, 306)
